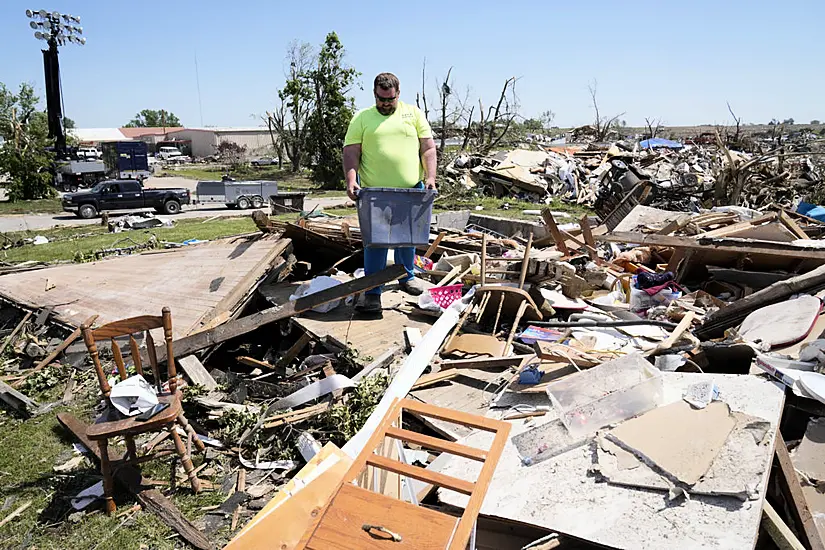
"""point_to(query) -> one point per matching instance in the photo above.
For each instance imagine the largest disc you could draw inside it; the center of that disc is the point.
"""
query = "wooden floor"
(200, 283)
(343, 327)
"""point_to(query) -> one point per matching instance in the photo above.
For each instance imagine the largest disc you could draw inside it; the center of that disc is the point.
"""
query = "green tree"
(290, 118)
(23, 156)
(149, 118)
(331, 81)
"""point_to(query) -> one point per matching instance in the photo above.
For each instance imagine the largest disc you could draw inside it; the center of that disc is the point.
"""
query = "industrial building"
(200, 142)
(205, 141)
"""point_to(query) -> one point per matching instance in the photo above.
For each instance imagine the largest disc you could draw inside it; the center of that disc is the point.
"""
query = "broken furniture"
(109, 426)
(357, 519)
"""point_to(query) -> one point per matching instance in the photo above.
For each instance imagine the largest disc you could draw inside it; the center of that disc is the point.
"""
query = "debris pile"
(640, 357)
(659, 173)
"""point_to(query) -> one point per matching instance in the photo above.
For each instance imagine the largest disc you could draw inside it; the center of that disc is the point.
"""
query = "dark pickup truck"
(124, 195)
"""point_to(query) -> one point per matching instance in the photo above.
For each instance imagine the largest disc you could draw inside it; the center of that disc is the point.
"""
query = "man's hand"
(430, 184)
(353, 188)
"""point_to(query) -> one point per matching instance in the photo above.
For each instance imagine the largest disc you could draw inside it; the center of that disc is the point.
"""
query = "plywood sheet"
(678, 439)
(193, 281)
(345, 327)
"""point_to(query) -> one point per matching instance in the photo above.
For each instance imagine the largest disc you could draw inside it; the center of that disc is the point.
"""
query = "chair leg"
(184, 458)
(131, 448)
(191, 431)
(108, 480)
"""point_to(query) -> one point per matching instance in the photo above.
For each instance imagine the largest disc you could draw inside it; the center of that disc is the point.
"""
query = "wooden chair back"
(130, 327)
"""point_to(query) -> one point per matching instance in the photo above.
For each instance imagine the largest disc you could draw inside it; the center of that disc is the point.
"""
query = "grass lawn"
(41, 206)
(29, 449)
(496, 207)
(68, 242)
(287, 180)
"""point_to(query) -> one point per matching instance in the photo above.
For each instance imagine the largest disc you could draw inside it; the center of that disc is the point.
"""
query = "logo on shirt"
(407, 115)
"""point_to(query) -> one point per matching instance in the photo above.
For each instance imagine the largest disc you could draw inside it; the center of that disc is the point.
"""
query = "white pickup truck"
(172, 155)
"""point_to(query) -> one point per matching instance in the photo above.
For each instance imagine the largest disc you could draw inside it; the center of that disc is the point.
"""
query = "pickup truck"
(124, 195)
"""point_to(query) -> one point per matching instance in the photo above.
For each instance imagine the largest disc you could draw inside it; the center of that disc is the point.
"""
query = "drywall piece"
(782, 324)
(808, 456)
(475, 344)
(558, 495)
(544, 442)
(736, 471)
(678, 439)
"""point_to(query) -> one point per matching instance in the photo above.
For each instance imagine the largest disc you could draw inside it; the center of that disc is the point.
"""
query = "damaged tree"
(601, 125)
(495, 124)
(654, 127)
(297, 102)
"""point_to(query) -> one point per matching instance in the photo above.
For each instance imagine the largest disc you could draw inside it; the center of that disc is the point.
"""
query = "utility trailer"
(236, 194)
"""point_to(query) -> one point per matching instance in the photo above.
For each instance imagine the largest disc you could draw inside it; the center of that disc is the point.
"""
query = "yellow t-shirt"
(390, 154)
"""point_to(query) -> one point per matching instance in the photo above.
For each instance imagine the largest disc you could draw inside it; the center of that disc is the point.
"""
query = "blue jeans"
(375, 260)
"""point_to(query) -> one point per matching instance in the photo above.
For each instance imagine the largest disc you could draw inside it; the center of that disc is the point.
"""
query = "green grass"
(30, 448)
(41, 206)
(67, 242)
(495, 207)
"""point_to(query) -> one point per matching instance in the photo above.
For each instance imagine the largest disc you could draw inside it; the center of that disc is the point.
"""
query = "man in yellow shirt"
(389, 145)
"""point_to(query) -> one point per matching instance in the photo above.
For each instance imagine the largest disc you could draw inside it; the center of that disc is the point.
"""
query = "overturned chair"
(109, 426)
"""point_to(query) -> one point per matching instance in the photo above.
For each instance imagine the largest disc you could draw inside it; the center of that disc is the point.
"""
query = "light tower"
(56, 29)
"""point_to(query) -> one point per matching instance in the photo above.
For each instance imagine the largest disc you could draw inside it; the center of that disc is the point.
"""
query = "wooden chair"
(104, 429)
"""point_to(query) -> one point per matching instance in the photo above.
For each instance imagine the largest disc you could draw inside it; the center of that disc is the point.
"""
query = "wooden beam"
(435, 244)
(484, 362)
(800, 504)
(435, 444)
(434, 378)
(792, 226)
(733, 246)
(130, 477)
(13, 334)
(255, 363)
(778, 530)
(293, 351)
(232, 329)
(427, 476)
(550, 222)
(196, 372)
(17, 400)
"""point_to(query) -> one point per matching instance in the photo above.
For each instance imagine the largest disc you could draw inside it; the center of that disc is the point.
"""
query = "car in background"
(89, 153)
(264, 161)
(178, 158)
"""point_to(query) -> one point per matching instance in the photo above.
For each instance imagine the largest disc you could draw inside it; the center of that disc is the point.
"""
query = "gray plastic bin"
(392, 217)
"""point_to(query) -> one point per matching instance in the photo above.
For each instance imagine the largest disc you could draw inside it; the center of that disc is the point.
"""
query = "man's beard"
(386, 109)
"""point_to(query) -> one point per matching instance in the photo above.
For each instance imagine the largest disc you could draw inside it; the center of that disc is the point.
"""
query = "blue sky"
(678, 61)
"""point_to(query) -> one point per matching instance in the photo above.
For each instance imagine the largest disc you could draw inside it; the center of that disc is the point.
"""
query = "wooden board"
(419, 527)
(371, 337)
(196, 282)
